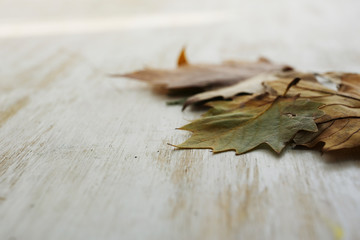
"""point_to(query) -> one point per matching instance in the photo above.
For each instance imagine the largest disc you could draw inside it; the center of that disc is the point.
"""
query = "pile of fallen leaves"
(263, 103)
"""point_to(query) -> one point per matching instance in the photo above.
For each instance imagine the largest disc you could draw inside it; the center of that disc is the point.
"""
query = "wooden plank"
(85, 156)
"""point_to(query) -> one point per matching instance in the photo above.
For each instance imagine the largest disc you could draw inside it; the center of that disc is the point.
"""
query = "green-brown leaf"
(269, 120)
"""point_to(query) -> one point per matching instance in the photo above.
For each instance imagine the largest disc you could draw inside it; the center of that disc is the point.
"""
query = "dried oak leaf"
(247, 86)
(263, 119)
(339, 127)
(190, 78)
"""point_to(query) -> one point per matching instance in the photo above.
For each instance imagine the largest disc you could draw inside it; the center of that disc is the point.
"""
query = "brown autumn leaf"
(339, 127)
(350, 83)
(199, 77)
(347, 82)
(247, 86)
(220, 107)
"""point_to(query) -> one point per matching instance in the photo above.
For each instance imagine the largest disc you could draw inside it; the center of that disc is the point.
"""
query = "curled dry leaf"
(182, 59)
(196, 78)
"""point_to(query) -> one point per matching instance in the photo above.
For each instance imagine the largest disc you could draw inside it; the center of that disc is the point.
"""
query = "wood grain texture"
(85, 156)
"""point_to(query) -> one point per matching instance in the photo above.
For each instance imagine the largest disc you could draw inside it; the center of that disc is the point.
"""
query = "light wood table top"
(85, 156)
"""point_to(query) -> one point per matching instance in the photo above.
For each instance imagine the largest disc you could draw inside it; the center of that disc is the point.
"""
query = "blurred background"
(302, 33)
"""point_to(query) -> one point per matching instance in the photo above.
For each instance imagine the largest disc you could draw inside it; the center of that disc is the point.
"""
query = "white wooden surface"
(84, 156)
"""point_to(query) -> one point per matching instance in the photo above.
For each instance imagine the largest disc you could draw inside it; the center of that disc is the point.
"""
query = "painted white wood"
(84, 156)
